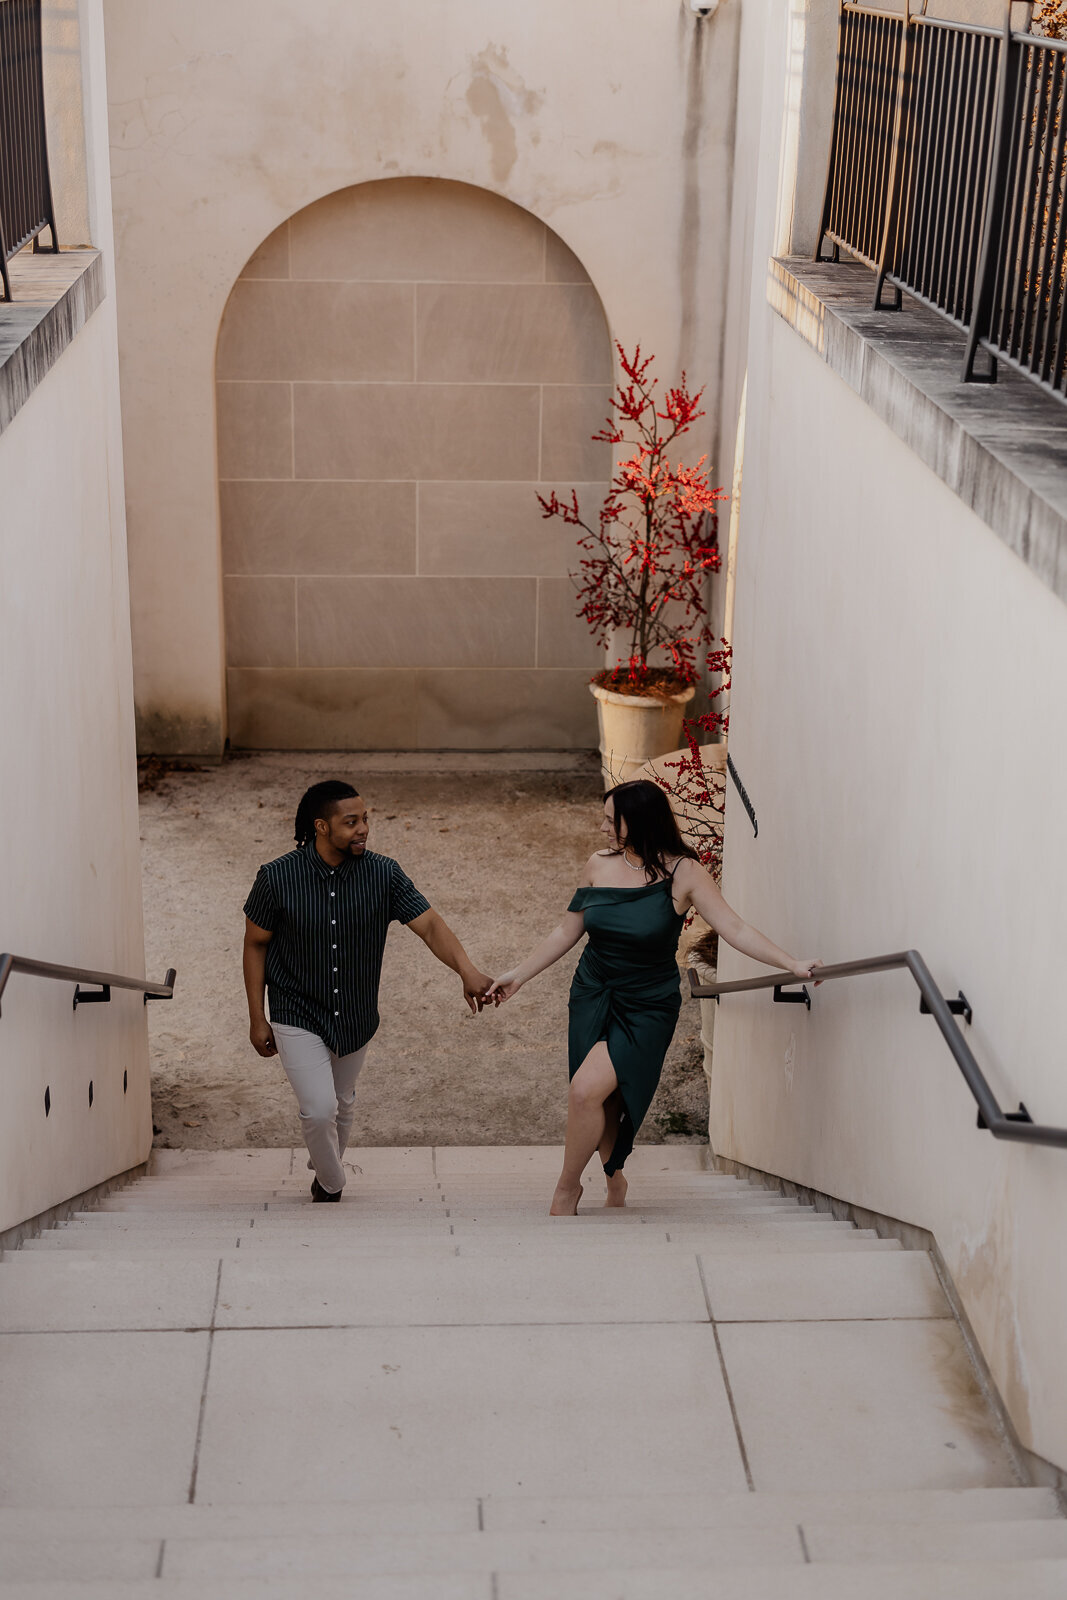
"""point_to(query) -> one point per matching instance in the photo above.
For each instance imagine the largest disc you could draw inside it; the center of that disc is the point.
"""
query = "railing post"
(824, 220)
(900, 132)
(993, 222)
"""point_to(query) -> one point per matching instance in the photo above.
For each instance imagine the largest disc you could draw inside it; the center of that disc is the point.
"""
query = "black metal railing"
(1017, 1125)
(25, 184)
(948, 177)
(103, 982)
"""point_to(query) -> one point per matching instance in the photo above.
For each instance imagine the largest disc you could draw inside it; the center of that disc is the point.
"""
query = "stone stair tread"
(708, 1549)
(860, 1509)
(1031, 1580)
(487, 1244)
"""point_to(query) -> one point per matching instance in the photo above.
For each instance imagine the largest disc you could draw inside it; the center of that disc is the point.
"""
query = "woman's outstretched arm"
(559, 941)
(705, 897)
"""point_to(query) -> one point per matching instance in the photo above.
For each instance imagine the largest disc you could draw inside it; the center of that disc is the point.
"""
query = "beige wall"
(610, 122)
(69, 849)
(401, 367)
(900, 685)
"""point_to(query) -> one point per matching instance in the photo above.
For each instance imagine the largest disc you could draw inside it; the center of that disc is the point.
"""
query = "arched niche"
(400, 367)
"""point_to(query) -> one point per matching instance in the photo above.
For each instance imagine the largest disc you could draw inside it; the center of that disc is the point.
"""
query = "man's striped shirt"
(329, 926)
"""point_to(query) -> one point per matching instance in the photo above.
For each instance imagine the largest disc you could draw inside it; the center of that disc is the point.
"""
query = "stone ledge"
(54, 297)
(1002, 448)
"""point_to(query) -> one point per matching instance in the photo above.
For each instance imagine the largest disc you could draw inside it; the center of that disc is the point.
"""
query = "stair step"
(704, 1551)
(911, 1508)
(492, 1243)
(1002, 1580)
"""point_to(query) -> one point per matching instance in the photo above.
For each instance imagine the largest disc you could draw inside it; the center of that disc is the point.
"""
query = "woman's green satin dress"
(626, 991)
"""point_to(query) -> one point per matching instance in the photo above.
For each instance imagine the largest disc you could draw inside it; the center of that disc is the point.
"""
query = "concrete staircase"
(210, 1388)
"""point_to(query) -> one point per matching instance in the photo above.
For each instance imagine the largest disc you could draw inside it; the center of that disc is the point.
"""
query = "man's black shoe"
(319, 1193)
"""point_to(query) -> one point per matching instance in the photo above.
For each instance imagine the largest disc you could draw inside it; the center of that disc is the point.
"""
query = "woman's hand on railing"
(806, 967)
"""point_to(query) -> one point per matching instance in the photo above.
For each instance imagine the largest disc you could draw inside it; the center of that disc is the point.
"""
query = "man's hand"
(262, 1036)
(475, 984)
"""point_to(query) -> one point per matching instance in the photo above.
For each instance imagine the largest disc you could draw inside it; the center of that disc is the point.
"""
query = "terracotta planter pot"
(635, 729)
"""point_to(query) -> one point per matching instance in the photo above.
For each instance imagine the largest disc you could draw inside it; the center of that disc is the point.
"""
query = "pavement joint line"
(749, 1479)
(481, 1515)
(203, 1391)
(803, 1545)
(159, 1558)
(369, 1327)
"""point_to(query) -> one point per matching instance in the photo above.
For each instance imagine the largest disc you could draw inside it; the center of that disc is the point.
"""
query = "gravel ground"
(495, 843)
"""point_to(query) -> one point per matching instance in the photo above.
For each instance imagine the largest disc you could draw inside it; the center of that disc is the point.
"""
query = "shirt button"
(333, 894)
(337, 1013)
(334, 947)
(333, 922)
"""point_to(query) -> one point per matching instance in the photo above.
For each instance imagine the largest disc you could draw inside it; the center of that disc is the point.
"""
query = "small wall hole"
(125, 1082)
(90, 1091)
(47, 1100)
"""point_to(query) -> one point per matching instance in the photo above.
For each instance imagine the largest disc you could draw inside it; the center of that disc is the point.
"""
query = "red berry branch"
(655, 540)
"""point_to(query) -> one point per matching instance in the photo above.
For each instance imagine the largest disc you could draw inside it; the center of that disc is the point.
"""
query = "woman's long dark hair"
(319, 801)
(651, 829)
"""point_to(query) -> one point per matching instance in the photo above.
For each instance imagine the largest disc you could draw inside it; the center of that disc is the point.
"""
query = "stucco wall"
(900, 682)
(609, 121)
(402, 366)
(69, 848)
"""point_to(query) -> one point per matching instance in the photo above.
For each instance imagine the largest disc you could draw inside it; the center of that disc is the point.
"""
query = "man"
(315, 928)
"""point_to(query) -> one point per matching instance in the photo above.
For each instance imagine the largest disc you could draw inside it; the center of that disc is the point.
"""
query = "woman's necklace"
(630, 864)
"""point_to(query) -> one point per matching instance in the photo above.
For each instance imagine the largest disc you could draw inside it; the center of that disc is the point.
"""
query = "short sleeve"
(261, 906)
(579, 900)
(405, 901)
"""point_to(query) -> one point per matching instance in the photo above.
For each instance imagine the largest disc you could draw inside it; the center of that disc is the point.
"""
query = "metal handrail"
(77, 975)
(1002, 1125)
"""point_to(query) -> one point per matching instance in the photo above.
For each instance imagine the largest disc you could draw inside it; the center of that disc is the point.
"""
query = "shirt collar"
(322, 869)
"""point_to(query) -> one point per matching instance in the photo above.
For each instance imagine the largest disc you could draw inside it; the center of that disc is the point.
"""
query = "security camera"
(704, 8)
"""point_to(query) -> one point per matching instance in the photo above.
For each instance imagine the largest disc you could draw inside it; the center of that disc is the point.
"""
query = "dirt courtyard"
(494, 842)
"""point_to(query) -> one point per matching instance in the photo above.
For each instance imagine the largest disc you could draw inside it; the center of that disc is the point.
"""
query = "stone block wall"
(401, 366)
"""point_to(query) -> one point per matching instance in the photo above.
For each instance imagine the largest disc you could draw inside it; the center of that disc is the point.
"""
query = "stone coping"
(1002, 447)
(53, 297)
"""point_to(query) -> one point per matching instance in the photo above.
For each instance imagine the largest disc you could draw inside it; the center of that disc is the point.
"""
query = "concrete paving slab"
(226, 1520)
(39, 1293)
(1024, 1580)
(357, 1412)
(990, 1540)
(513, 1513)
(548, 1159)
(528, 1514)
(460, 1291)
(891, 1405)
(707, 1550)
(98, 1418)
(222, 1163)
(25, 1560)
(412, 1586)
(821, 1288)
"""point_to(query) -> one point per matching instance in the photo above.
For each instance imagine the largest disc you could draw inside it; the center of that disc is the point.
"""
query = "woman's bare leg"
(592, 1084)
(616, 1183)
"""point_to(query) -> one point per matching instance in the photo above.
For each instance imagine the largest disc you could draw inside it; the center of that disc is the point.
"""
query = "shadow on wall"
(401, 366)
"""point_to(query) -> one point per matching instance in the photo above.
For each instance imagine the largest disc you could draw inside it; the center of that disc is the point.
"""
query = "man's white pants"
(325, 1088)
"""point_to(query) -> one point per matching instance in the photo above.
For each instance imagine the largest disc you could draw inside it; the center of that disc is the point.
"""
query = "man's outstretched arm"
(438, 937)
(255, 971)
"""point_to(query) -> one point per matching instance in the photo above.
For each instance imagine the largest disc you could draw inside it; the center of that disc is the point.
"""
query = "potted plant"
(644, 568)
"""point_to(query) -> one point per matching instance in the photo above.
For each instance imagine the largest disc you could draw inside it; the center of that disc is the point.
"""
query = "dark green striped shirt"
(329, 925)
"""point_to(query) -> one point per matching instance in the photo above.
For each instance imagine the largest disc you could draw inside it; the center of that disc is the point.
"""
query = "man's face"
(347, 827)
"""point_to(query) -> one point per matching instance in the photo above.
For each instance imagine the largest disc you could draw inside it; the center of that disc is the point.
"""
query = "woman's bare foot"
(617, 1187)
(565, 1201)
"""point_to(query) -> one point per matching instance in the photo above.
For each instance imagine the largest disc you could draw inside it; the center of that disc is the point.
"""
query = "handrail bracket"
(792, 997)
(960, 1007)
(91, 997)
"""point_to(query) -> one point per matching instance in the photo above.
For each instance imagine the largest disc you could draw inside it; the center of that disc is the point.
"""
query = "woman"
(625, 997)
